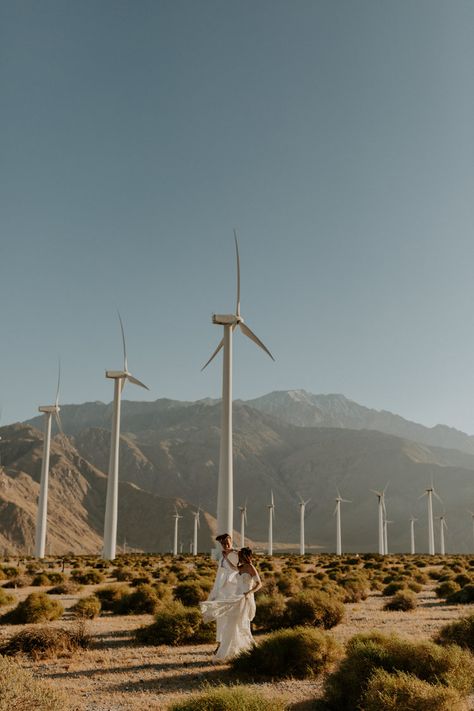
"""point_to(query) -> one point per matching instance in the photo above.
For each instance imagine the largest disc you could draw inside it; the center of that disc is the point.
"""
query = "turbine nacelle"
(226, 319)
(52, 409)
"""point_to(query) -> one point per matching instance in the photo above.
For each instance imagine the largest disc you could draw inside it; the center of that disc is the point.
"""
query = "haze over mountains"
(291, 442)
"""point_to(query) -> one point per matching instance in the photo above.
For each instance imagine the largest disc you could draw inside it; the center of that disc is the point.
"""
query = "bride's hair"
(245, 556)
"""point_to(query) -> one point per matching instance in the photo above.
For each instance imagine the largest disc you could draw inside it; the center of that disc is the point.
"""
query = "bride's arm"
(258, 582)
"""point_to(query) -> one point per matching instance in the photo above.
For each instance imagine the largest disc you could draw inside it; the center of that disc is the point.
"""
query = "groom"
(225, 584)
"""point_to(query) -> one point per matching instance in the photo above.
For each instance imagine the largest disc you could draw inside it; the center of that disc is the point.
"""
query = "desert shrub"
(366, 653)
(5, 598)
(228, 698)
(270, 612)
(266, 565)
(69, 587)
(313, 608)
(88, 577)
(176, 624)
(123, 575)
(87, 607)
(355, 588)
(110, 597)
(459, 632)
(394, 692)
(402, 601)
(18, 581)
(47, 642)
(300, 652)
(463, 579)
(288, 586)
(143, 578)
(56, 578)
(142, 600)
(190, 594)
(414, 586)
(11, 571)
(40, 580)
(464, 596)
(446, 588)
(37, 607)
(19, 690)
(393, 588)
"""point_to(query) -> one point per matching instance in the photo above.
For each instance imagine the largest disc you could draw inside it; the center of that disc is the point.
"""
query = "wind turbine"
(225, 494)
(42, 514)
(120, 377)
(385, 535)
(442, 526)
(337, 514)
(243, 521)
(429, 493)
(195, 536)
(381, 508)
(412, 535)
(271, 516)
(175, 537)
(302, 512)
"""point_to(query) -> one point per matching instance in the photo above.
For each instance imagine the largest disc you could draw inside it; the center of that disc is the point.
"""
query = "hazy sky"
(337, 136)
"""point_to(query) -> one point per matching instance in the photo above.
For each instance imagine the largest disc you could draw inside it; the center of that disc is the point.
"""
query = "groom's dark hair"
(223, 536)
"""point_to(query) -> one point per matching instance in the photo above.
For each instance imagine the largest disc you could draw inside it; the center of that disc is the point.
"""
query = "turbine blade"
(237, 307)
(335, 511)
(250, 334)
(59, 383)
(221, 344)
(125, 364)
(435, 494)
(137, 382)
(58, 422)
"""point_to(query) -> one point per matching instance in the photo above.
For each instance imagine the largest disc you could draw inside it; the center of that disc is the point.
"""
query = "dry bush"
(300, 652)
(40, 580)
(20, 691)
(270, 612)
(190, 594)
(142, 600)
(87, 607)
(47, 642)
(314, 608)
(176, 624)
(69, 587)
(88, 577)
(400, 691)
(37, 607)
(463, 597)
(402, 601)
(110, 597)
(18, 581)
(354, 588)
(446, 588)
(393, 587)
(228, 698)
(460, 632)
(366, 653)
(5, 598)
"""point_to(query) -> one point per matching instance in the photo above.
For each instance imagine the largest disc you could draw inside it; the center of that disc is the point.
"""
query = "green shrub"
(143, 600)
(314, 608)
(111, 596)
(37, 607)
(88, 577)
(40, 580)
(87, 607)
(402, 601)
(300, 652)
(270, 612)
(288, 586)
(18, 581)
(405, 692)
(459, 632)
(176, 624)
(228, 698)
(393, 588)
(46, 642)
(19, 690)
(56, 578)
(189, 594)
(355, 588)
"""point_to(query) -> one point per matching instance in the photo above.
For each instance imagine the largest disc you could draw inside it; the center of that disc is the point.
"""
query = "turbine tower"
(225, 495)
(429, 492)
(271, 516)
(195, 536)
(337, 514)
(42, 515)
(442, 527)
(302, 512)
(412, 535)
(385, 535)
(243, 521)
(381, 508)
(175, 537)
(119, 377)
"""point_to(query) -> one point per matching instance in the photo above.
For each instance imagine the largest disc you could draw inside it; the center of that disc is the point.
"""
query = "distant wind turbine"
(42, 514)
(271, 516)
(175, 537)
(385, 535)
(442, 527)
(243, 521)
(412, 535)
(195, 536)
(381, 510)
(302, 512)
(225, 494)
(111, 506)
(429, 492)
(337, 514)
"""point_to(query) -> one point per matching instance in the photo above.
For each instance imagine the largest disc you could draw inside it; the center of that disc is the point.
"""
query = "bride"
(235, 613)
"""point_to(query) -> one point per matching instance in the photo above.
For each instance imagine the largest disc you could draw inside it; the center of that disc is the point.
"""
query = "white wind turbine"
(243, 521)
(337, 514)
(385, 535)
(271, 516)
(429, 492)
(111, 506)
(442, 527)
(195, 536)
(175, 536)
(302, 512)
(42, 514)
(381, 509)
(412, 535)
(225, 494)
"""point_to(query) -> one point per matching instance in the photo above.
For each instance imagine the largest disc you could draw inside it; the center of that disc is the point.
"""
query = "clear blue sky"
(337, 136)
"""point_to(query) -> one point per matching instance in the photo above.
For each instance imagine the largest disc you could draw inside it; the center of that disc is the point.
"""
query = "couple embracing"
(231, 601)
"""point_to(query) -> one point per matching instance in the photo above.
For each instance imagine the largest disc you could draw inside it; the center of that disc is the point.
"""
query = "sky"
(337, 137)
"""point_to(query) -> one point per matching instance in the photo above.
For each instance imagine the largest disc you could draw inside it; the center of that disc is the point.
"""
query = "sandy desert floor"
(115, 674)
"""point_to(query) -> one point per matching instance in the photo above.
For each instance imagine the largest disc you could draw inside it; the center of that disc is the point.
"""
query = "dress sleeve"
(256, 577)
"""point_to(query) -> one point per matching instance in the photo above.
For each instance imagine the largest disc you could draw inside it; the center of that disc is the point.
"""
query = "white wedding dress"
(233, 615)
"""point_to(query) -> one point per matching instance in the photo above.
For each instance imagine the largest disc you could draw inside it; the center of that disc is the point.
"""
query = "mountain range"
(291, 442)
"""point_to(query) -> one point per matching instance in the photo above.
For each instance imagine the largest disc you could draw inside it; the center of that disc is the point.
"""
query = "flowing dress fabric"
(225, 584)
(233, 617)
